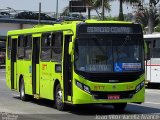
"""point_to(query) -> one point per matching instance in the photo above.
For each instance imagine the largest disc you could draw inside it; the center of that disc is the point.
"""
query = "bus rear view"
(108, 64)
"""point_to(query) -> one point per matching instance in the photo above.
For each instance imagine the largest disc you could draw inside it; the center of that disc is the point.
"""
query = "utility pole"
(39, 17)
(102, 9)
(57, 9)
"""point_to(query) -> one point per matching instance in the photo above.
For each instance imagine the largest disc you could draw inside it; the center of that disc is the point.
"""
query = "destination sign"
(109, 29)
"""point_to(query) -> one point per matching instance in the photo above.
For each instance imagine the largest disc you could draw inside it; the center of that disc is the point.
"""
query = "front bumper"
(127, 92)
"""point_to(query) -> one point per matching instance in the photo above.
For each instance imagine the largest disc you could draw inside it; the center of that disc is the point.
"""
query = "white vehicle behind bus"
(152, 65)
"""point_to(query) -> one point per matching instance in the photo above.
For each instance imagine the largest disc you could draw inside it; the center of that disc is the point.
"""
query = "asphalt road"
(12, 107)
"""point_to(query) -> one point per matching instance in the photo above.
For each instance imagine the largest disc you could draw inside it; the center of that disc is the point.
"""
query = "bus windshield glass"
(112, 54)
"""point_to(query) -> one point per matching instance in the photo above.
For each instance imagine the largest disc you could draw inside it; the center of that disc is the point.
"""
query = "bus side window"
(46, 47)
(154, 43)
(156, 49)
(28, 47)
(148, 55)
(20, 47)
(9, 48)
(57, 43)
(157, 43)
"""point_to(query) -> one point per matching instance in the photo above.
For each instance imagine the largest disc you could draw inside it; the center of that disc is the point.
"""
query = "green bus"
(78, 62)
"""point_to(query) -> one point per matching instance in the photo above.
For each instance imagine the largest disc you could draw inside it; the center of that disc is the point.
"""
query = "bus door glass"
(148, 60)
(155, 61)
(8, 63)
(35, 63)
(148, 56)
(13, 63)
(24, 60)
(67, 69)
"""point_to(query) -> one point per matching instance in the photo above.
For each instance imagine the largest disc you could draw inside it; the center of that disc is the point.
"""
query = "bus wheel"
(23, 96)
(120, 107)
(58, 98)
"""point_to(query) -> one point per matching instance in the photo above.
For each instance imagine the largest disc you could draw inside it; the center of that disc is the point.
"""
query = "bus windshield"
(102, 54)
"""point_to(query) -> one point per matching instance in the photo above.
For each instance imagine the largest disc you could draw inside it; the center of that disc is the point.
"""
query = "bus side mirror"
(70, 48)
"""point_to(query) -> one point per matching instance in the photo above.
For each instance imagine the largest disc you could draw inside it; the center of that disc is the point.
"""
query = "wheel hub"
(59, 98)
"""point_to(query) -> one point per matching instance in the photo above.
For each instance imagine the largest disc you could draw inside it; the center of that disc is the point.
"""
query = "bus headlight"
(83, 87)
(86, 88)
(140, 86)
(79, 85)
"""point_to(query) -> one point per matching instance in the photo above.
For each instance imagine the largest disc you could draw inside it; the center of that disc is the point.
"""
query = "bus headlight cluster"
(83, 87)
(140, 86)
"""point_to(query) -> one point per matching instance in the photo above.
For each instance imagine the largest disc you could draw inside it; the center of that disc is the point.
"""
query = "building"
(7, 24)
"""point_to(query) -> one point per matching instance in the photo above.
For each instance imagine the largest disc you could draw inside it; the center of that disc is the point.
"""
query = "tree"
(97, 4)
(121, 16)
(149, 17)
(65, 11)
(33, 16)
(143, 18)
(91, 5)
(152, 9)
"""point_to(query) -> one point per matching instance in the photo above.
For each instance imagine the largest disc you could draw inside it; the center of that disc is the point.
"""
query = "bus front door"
(13, 63)
(148, 62)
(35, 65)
(67, 70)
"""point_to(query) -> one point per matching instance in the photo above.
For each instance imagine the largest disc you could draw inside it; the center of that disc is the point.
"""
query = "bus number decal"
(99, 87)
(44, 66)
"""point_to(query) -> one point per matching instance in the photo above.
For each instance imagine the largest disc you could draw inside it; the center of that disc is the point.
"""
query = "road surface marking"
(156, 92)
(16, 95)
(152, 89)
(152, 103)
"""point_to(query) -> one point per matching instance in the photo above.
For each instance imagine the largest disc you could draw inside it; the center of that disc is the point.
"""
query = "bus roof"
(152, 35)
(66, 25)
(111, 22)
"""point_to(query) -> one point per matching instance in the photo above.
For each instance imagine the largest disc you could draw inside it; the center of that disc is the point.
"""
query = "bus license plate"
(113, 97)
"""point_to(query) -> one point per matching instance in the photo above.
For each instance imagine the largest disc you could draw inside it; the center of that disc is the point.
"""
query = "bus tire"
(58, 99)
(23, 96)
(120, 107)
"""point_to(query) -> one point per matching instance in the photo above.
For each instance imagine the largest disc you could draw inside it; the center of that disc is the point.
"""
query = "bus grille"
(113, 78)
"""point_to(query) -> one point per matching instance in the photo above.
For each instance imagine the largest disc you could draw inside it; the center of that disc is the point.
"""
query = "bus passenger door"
(148, 61)
(155, 62)
(35, 63)
(46, 67)
(13, 62)
(67, 70)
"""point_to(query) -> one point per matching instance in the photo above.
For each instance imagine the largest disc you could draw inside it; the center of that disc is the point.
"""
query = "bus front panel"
(108, 64)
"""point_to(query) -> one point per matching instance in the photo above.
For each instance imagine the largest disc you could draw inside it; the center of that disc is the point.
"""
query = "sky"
(50, 6)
